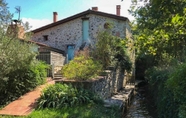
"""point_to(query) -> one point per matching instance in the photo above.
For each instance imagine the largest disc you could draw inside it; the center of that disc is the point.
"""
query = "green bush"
(81, 68)
(167, 106)
(39, 70)
(22, 80)
(62, 95)
(177, 84)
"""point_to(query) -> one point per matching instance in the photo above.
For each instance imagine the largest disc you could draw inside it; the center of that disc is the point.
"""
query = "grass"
(91, 110)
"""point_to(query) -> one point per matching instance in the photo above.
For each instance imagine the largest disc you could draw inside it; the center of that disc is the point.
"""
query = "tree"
(112, 51)
(19, 70)
(5, 15)
(160, 34)
(161, 28)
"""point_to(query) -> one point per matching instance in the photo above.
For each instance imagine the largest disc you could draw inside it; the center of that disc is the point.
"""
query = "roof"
(80, 15)
(43, 45)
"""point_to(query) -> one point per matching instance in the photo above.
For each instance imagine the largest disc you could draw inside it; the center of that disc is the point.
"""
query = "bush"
(81, 68)
(177, 84)
(167, 106)
(62, 95)
(22, 80)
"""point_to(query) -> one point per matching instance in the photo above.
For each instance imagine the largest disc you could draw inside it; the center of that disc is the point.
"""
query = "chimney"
(54, 17)
(95, 8)
(118, 7)
(16, 30)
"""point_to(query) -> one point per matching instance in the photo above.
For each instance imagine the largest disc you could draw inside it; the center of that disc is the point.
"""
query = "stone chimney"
(118, 7)
(54, 17)
(16, 30)
(95, 8)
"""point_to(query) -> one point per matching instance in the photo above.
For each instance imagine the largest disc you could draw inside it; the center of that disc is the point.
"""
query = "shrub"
(177, 84)
(167, 106)
(81, 68)
(22, 80)
(62, 95)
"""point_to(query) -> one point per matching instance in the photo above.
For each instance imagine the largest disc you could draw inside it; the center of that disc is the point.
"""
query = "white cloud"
(36, 23)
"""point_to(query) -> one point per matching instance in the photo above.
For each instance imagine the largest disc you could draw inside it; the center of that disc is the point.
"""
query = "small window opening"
(45, 37)
(107, 25)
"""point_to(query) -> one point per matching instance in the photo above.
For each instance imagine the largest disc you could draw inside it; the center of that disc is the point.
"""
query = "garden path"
(26, 103)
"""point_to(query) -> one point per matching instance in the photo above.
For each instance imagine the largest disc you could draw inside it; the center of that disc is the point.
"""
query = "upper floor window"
(106, 25)
(85, 28)
(45, 37)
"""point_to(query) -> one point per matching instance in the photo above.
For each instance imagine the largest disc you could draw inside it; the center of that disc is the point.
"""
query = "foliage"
(177, 84)
(160, 34)
(5, 15)
(14, 55)
(19, 72)
(112, 51)
(167, 106)
(20, 81)
(38, 69)
(160, 28)
(62, 95)
(81, 68)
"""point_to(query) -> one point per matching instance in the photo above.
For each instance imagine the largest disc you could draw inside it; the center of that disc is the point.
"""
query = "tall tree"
(161, 27)
(160, 30)
(13, 53)
(5, 15)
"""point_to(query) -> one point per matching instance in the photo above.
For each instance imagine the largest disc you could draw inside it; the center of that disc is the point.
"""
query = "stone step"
(57, 76)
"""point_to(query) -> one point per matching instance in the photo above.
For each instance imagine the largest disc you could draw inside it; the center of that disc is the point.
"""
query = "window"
(85, 29)
(45, 37)
(107, 25)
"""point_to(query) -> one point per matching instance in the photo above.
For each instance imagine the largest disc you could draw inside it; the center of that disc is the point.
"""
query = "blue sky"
(40, 12)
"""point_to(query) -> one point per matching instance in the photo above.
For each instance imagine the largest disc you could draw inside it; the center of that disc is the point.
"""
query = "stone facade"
(70, 33)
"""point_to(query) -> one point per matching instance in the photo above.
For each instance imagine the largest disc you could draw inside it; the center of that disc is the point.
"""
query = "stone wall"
(70, 33)
(104, 86)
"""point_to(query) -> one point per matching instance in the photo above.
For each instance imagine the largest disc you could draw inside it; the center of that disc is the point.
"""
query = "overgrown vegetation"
(160, 35)
(81, 68)
(20, 72)
(109, 51)
(62, 95)
(61, 100)
(112, 51)
(22, 80)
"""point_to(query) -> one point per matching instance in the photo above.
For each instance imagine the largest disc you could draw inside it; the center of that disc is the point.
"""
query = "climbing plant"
(112, 51)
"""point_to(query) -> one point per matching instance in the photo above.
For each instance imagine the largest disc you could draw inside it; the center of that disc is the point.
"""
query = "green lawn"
(84, 111)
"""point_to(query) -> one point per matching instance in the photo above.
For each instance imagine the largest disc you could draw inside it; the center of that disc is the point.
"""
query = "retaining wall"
(104, 86)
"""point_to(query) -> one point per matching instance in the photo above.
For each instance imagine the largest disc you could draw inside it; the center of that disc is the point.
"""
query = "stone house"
(81, 29)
